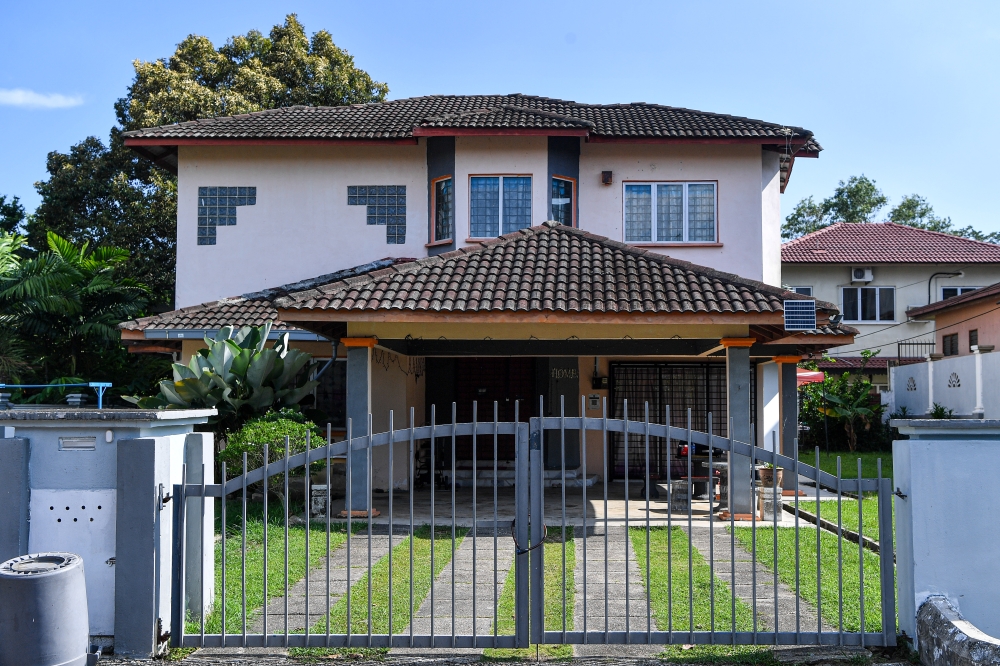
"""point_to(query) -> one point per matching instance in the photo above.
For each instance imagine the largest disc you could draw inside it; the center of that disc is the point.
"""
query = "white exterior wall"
(301, 226)
(910, 281)
(392, 389)
(742, 190)
(954, 382)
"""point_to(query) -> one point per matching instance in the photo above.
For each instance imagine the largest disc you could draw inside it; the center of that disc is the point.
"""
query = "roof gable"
(885, 243)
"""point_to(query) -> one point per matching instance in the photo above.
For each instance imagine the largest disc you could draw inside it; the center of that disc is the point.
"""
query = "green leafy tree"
(12, 353)
(915, 211)
(67, 300)
(237, 375)
(807, 217)
(843, 407)
(106, 194)
(11, 214)
(855, 201)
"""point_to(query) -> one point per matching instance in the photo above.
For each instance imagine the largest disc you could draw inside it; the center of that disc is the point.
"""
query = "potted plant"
(767, 476)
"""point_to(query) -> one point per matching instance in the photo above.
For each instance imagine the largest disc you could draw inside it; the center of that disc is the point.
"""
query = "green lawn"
(849, 511)
(672, 605)
(255, 561)
(555, 587)
(849, 463)
(829, 571)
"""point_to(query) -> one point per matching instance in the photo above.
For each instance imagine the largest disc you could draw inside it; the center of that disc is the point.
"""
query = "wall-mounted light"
(605, 178)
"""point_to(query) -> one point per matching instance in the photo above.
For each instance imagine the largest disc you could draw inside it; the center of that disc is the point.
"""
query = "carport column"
(738, 408)
(789, 417)
(359, 406)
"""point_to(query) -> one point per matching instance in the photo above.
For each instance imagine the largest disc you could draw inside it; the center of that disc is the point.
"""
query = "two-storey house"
(493, 249)
(876, 274)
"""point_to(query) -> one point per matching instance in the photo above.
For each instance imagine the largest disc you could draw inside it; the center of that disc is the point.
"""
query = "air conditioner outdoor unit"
(861, 274)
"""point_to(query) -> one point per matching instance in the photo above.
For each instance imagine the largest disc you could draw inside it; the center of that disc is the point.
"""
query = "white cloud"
(33, 100)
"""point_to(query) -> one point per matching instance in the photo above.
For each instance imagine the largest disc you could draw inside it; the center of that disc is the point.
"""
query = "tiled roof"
(547, 269)
(992, 291)
(842, 364)
(253, 309)
(885, 243)
(404, 118)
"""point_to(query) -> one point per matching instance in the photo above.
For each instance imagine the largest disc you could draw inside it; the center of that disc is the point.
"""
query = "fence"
(517, 554)
(954, 383)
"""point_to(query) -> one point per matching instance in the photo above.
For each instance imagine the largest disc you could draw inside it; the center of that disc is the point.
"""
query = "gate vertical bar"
(887, 567)
(223, 530)
(177, 586)
(583, 460)
(520, 527)
(534, 542)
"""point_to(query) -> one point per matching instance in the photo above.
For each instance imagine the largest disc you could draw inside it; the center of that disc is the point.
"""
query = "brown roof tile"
(551, 268)
(885, 243)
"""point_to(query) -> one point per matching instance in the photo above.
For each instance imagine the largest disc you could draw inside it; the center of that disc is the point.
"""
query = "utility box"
(97, 483)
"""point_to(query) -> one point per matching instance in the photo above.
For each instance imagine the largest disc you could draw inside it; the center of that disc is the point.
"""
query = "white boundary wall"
(967, 385)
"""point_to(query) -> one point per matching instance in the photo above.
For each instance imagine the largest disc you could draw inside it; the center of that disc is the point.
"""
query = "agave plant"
(236, 374)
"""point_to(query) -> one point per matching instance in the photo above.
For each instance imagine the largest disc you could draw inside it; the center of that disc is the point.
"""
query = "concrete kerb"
(945, 638)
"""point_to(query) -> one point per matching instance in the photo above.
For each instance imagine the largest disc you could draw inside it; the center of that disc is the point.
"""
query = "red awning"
(809, 376)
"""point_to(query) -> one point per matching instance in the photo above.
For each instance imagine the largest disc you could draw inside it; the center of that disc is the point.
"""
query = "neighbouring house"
(494, 249)
(957, 376)
(877, 274)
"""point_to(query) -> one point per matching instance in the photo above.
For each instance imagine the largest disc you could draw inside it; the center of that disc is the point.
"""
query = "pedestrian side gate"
(469, 560)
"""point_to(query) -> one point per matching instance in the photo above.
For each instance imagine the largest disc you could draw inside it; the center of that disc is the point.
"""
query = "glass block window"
(217, 208)
(562, 200)
(670, 212)
(444, 210)
(385, 205)
(488, 208)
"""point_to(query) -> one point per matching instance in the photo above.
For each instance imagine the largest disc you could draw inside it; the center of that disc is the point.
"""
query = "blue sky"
(904, 92)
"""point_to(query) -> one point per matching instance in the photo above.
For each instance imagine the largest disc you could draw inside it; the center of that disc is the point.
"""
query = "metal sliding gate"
(473, 558)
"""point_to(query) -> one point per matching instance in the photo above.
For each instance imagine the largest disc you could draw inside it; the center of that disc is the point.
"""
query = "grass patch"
(233, 595)
(849, 463)
(672, 605)
(422, 579)
(554, 588)
(849, 511)
(828, 563)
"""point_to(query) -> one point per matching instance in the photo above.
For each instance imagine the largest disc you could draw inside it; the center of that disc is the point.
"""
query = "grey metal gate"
(475, 569)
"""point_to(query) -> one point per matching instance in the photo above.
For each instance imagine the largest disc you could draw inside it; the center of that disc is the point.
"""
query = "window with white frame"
(949, 292)
(444, 210)
(805, 291)
(498, 205)
(865, 304)
(670, 212)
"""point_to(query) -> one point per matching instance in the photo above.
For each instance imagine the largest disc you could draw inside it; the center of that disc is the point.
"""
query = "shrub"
(270, 429)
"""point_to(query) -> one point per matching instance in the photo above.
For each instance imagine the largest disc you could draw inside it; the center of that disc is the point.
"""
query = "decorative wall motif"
(911, 384)
(954, 381)
(386, 205)
(217, 208)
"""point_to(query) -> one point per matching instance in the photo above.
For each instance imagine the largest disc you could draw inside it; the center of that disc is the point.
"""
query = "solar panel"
(800, 315)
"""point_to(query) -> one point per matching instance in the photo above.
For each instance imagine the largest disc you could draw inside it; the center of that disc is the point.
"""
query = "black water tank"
(43, 611)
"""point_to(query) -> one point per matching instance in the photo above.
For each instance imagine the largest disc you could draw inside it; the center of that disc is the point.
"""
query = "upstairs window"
(805, 291)
(563, 210)
(498, 205)
(868, 304)
(670, 213)
(443, 206)
(973, 338)
(948, 292)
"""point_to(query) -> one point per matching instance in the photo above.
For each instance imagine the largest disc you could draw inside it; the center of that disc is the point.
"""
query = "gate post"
(521, 514)
(537, 523)
(177, 592)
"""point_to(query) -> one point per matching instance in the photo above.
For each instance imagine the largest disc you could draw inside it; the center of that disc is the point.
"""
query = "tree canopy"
(859, 200)
(105, 194)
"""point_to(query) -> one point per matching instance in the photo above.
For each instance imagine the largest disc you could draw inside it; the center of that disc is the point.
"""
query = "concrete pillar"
(789, 397)
(359, 407)
(143, 467)
(13, 498)
(944, 476)
(979, 411)
(738, 408)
